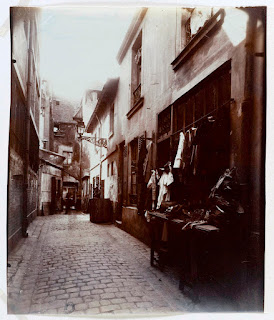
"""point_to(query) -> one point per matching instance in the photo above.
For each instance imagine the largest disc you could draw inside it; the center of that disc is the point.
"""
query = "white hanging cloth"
(178, 159)
(164, 192)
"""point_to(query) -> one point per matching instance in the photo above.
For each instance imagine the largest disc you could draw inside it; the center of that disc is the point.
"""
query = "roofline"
(108, 83)
(53, 153)
(135, 24)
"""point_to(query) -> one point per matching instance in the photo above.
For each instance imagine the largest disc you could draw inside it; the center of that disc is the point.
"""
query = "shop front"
(194, 205)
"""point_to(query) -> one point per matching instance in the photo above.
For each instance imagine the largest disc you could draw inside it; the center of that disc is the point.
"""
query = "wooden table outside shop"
(195, 241)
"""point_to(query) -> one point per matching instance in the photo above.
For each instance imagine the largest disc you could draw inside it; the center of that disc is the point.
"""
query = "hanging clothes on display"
(152, 184)
(178, 159)
(165, 181)
(188, 149)
(148, 163)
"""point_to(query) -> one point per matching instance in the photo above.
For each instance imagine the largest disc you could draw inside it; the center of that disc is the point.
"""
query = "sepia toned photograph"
(136, 160)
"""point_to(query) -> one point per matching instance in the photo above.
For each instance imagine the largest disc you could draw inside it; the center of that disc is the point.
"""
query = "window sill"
(198, 38)
(135, 108)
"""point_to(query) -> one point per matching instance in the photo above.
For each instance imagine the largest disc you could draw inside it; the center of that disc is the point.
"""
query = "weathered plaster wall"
(15, 198)
(135, 224)
(47, 172)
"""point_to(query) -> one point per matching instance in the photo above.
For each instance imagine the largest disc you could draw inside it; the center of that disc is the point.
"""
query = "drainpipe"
(100, 154)
(247, 111)
(27, 137)
(249, 124)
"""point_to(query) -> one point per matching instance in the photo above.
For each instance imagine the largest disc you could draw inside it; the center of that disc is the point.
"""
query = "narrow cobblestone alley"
(68, 265)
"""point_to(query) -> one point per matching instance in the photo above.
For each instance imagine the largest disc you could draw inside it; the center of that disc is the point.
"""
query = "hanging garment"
(164, 192)
(141, 158)
(152, 185)
(188, 150)
(147, 166)
(178, 159)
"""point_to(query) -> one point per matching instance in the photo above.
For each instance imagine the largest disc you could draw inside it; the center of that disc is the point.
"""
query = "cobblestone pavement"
(68, 265)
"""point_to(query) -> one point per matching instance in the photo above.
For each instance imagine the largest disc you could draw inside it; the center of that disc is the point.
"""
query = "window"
(133, 171)
(192, 20)
(112, 169)
(57, 102)
(108, 170)
(111, 120)
(194, 26)
(33, 149)
(164, 122)
(56, 128)
(96, 187)
(68, 156)
(136, 70)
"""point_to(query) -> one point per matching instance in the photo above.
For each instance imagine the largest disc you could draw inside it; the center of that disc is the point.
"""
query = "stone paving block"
(74, 289)
(123, 294)
(92, 297)
(115, 285)
(94, 304)
(57, 303)
(84, 293)
(118, 300)
(97, 291)
(108, 295)
(134, 299)
(41, 295)
(113, 273)
(106, 280)
(74, 294)
(92, 282)
(111, 290)
(100, 286)
(109, 308)
(136, 293)
(128, 305)
(75, 300)
(63, 296)
(49, 299)
(92, 311)
(57, 292)
(104, 302)
(81, 306)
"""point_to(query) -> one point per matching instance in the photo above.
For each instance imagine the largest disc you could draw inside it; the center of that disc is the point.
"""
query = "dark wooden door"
(53, 195)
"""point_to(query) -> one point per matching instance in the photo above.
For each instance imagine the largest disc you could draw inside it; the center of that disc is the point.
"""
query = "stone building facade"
(179, 66)
(66, 144)
(24, 123)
